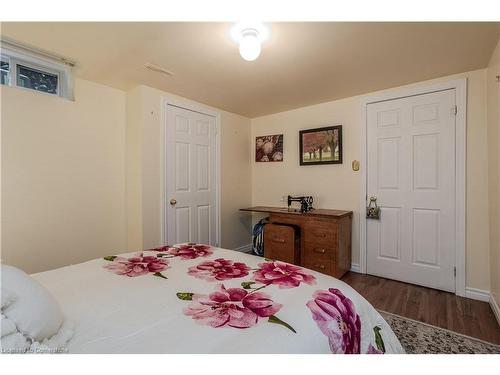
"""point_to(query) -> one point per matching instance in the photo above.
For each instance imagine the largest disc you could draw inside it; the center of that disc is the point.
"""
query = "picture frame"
(321, 145)
(269, 148)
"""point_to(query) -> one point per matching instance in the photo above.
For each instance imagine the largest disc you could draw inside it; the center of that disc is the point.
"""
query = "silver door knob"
(173, 202)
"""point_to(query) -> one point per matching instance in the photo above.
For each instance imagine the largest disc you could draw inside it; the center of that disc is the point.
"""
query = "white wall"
(338, 186)
(144, 106)
(63, 176)
(81, 179)
(494, 170)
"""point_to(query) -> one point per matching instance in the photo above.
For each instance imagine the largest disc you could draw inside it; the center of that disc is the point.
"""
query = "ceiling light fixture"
(250, 44)
(250, 37)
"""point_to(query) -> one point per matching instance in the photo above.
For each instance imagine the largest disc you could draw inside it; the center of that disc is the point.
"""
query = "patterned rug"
(420, 338)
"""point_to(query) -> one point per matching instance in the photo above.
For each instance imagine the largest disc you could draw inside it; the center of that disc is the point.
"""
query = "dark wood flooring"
(442, 309)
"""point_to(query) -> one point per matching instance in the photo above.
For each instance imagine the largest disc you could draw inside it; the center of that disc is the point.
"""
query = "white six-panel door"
(190, 177)
(411, 172)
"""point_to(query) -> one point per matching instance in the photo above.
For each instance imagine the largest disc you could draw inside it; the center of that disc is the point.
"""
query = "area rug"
(420, 338)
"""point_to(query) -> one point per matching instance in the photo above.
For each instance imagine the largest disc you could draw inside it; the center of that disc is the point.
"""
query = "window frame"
(7, 60)
(30, 60)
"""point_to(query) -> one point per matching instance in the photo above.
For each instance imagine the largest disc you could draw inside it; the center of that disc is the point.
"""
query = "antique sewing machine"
(305, 203)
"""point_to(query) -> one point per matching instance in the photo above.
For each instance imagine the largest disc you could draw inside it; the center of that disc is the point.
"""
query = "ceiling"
(301, 63)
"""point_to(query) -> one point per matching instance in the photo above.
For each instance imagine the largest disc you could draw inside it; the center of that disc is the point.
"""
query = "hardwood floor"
(442, 309)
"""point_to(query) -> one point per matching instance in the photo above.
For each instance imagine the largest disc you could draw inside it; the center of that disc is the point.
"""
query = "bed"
(193, 298)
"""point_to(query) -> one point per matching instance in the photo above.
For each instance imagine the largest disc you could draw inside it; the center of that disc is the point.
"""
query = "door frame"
(167, 101)
(460, 87)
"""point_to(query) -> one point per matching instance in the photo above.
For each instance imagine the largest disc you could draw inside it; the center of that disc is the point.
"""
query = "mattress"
(193, 298)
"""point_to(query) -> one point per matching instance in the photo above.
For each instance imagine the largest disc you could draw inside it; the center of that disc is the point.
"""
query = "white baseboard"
(478, 294)
(495, 308)
(355, 267)
(245, 248)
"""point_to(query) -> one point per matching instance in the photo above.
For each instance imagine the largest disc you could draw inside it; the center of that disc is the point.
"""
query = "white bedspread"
(168, 303)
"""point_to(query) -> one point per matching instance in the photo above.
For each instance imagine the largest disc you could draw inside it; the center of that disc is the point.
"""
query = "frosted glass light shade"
(250, 46)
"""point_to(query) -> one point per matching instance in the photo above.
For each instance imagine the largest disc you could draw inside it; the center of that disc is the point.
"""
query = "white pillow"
(29, 305)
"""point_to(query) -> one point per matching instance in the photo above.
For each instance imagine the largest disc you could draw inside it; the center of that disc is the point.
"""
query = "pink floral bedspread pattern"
(194, 298)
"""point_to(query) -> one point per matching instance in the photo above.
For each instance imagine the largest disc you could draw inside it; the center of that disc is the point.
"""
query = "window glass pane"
(36, 79)
(4, 72)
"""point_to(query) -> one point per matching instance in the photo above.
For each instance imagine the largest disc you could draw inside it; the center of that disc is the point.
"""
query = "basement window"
(4, 72)
(38, 80)
(32, 71)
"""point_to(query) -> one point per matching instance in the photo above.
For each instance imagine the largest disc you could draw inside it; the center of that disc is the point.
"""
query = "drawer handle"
(320, 266)
(279, 240)
(321, 251)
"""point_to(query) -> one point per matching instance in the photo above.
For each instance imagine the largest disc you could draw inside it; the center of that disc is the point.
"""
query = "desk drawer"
(281, 243)
(320, 232)
(319, 249)
(319, 262)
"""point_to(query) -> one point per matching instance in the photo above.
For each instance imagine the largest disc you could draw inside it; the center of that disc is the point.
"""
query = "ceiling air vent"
(158, 69)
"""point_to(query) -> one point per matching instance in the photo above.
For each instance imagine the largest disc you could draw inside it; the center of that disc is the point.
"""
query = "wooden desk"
(324, 243)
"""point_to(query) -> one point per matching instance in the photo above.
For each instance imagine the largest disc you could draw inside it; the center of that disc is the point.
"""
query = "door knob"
(173, 201)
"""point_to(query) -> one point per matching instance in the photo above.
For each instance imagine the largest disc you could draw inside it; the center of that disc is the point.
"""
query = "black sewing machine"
(306, 203)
